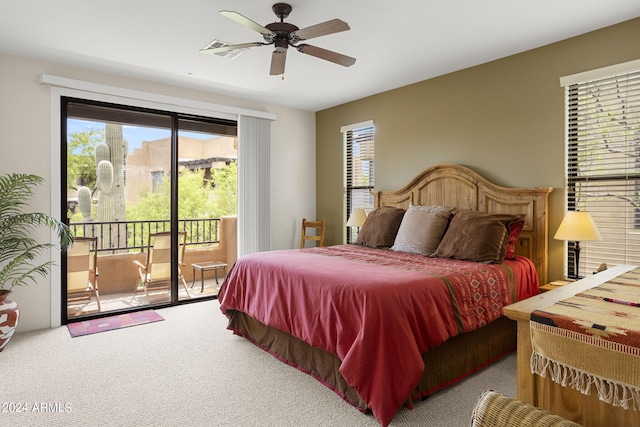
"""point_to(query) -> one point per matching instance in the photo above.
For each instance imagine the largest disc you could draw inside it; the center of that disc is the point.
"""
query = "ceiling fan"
(282, 35)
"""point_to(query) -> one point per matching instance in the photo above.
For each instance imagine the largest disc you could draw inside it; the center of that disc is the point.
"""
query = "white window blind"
(603, 166)
(359, 145)
(254, 188)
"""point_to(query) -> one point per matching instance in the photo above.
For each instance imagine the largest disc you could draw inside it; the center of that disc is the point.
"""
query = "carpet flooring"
(189, 370)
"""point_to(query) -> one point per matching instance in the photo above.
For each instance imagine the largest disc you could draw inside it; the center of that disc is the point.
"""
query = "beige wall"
(25, 121)
(504, 119)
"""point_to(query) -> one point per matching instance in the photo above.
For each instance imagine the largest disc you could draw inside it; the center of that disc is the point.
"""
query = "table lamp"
(577, 226)
(357, 218)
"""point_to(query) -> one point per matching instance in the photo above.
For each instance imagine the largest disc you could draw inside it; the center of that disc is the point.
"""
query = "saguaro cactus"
(110, 181)
(109, 158)
(118, 152)
(84, 203)
(104, 174)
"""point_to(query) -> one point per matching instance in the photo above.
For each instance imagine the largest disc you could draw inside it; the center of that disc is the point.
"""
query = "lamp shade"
(357, 218)
(577, 226)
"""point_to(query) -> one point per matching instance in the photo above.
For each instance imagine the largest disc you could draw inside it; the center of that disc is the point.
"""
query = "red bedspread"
(377, 310)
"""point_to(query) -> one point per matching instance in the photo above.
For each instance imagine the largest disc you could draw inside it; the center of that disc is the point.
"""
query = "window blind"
(603, 166)
(359, 144)
(254, 185)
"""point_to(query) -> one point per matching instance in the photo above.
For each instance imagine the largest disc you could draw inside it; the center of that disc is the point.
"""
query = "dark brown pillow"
(380, 228)
(477, 236)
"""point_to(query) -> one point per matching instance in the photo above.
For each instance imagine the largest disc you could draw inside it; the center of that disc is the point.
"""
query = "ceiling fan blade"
(230, 47)
(247, 22)
(278, 58)
(323, 29)
(327, 55)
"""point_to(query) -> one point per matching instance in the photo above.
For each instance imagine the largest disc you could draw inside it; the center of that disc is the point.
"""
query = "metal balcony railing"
(126, 236)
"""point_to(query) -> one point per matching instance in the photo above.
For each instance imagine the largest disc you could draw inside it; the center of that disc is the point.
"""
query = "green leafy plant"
(18, 249)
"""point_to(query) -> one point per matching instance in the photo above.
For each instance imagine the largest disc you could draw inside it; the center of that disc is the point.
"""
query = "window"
(603, 161)
(359, 173)
(156, 180)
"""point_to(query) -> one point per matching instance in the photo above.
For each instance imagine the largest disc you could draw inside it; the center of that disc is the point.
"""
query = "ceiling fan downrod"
(281, 29)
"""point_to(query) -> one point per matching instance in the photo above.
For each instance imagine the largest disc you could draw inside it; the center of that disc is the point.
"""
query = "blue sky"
(134, 135)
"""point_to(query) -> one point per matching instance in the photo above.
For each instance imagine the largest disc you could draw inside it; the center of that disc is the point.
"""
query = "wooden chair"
(155, 274)
(319, 232)
(82, 271)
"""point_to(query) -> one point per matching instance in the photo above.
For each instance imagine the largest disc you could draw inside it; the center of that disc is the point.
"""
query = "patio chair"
(155, 274)
(82, 270)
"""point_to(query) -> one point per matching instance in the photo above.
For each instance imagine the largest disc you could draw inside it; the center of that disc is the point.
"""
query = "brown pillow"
(477, 236)
(421, 229)
(380, 228)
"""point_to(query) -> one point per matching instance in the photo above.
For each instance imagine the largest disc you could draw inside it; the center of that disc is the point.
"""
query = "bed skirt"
(446, 364)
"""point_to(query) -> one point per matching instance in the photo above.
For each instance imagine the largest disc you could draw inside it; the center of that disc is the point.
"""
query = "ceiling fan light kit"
(282, 35)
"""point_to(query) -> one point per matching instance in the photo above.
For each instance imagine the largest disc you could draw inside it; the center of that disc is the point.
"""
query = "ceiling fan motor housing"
(282, 31)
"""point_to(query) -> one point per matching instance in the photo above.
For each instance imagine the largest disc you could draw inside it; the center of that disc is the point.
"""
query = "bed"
(415, 305)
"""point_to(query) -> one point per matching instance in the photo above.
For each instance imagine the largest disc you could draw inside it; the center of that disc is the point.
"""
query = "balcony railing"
(125, 236)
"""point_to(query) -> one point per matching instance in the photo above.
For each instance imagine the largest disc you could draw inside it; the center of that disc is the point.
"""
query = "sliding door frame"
(65, 87)
(174, 119)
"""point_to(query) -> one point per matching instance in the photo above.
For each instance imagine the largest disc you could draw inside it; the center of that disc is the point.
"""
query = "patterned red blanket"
(377, 310)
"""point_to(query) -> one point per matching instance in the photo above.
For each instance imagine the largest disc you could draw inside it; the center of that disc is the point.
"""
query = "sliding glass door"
(146, 189)
(207, 196)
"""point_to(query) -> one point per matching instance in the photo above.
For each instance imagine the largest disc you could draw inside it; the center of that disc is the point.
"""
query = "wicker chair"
(495, 409)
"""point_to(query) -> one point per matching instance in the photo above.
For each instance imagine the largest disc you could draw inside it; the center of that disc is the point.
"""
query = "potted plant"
(18, 249)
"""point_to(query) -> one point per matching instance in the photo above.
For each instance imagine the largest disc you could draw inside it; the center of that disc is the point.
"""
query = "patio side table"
(207, 266)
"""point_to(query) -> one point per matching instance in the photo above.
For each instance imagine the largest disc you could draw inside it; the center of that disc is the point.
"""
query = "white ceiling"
(395, 42)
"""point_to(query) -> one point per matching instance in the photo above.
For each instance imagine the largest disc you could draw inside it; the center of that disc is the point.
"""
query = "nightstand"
(554, 285)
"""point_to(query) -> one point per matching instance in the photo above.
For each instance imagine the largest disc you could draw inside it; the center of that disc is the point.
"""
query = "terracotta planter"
(9, 314)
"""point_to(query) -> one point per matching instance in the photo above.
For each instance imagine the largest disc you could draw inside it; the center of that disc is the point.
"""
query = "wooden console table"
(587, 410)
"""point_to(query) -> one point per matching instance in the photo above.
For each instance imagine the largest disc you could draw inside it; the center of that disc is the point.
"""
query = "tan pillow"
(380, 228)
(421, 229)
(477, 236)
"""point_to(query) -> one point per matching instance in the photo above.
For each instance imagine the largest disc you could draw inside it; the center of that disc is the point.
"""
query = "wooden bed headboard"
(461, 187)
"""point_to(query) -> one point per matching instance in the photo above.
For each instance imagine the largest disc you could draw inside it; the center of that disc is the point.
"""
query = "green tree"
(194, 199)
(193, 195)
(225, 191)
(81, 169)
